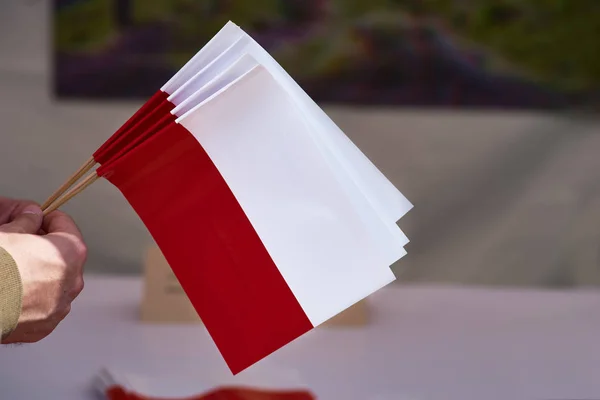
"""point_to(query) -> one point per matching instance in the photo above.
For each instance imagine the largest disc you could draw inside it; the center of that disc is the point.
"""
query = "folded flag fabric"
(113, 386)
(270, 217)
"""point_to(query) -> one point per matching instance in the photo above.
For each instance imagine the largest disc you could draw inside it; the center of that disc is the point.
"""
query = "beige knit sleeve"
(11, 293)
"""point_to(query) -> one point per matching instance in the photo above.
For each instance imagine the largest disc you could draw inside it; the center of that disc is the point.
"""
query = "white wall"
(500, 198)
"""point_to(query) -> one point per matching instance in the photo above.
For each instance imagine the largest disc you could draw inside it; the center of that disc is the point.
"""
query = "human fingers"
(59, 222)
(7, 205)
(10, 208)
(28, 220)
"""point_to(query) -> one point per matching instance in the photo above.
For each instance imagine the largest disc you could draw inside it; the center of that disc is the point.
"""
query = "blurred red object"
(119, 393)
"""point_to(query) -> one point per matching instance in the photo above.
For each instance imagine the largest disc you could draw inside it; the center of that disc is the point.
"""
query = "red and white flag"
(270, 217)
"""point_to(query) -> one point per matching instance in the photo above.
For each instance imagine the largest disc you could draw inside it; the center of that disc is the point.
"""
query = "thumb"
(28, 221)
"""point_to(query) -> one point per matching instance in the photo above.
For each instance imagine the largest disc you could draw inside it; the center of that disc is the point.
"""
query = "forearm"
(11, 293)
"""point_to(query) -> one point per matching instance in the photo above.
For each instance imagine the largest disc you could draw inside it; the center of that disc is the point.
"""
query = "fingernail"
(32, 210)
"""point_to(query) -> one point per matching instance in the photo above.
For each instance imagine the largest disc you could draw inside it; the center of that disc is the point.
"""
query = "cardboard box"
(355, 316)
(164, 300)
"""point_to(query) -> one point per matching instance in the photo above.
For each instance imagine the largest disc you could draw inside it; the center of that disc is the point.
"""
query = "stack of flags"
(270, 217)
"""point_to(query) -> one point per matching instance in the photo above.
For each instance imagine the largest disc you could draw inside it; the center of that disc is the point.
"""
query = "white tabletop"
(425, 343)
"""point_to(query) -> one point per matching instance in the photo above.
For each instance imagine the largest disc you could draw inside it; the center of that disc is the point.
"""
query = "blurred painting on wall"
(413, 53)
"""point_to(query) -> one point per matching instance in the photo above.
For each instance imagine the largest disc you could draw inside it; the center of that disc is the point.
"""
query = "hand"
(51, 268)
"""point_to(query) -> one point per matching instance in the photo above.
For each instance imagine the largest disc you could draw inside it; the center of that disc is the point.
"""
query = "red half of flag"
(211, 246)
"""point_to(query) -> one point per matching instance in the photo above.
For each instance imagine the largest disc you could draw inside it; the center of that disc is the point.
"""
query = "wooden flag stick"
(89, 164)
(91, 178)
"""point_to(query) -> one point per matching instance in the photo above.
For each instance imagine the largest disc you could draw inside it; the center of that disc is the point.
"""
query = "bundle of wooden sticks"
(63, 194)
